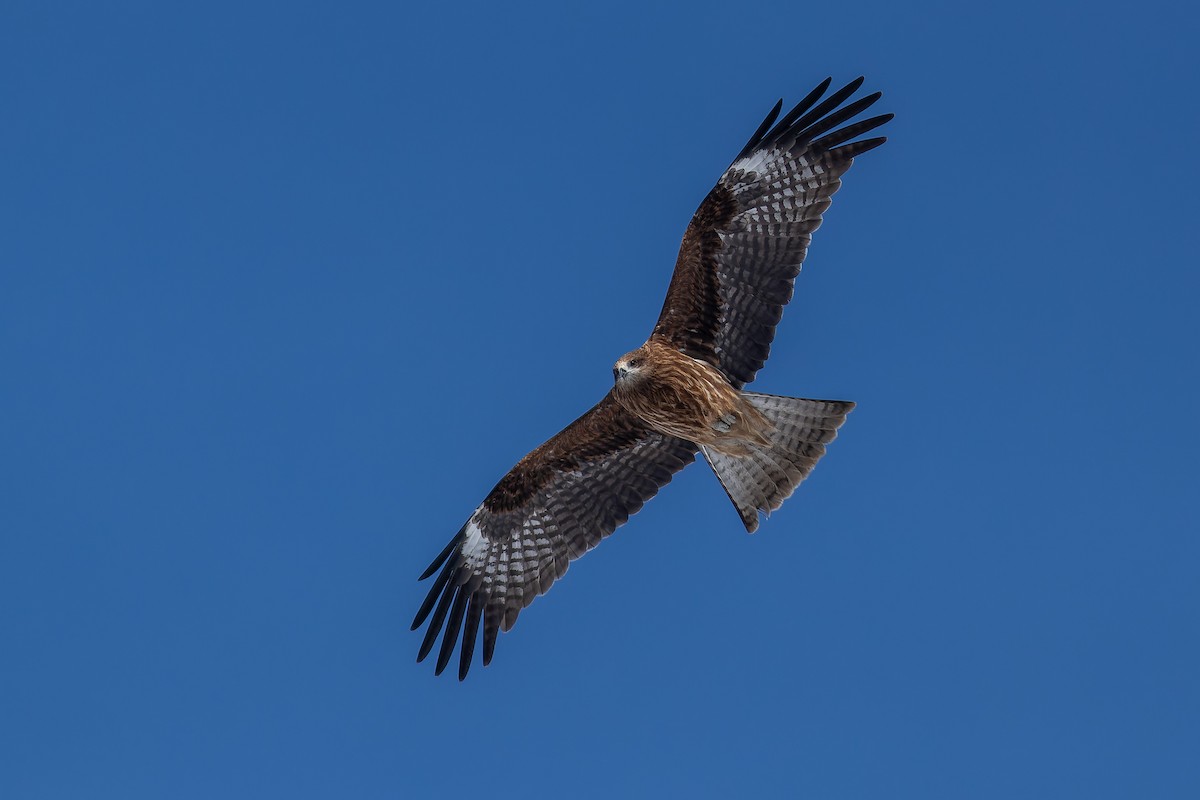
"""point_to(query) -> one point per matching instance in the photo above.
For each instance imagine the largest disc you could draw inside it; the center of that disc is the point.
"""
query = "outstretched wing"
(552, 507)
(743, 249)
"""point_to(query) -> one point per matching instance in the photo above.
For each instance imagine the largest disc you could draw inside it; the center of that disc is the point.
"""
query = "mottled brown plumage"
(678, 393)
(598, 433)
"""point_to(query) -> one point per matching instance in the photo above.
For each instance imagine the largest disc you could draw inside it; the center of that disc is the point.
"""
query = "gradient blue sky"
(285, 288)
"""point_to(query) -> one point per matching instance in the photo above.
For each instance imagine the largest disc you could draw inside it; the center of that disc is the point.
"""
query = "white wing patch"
(474, 547)
(755, 161)
(510, 563)
(786, 189)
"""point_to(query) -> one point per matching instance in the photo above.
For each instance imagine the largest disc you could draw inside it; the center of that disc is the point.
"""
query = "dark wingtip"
(470, 631)
(442, 556)
(439, 616)
(850, 131)
(426, 644)
(839, 116)
(820, 89)
(452, 628)
(855, 149)
(763, 127)
(431, 597)
(804, 105)
(808, 117)
(491, 627)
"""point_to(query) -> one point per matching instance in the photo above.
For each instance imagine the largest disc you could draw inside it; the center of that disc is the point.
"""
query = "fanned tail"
(763, 479)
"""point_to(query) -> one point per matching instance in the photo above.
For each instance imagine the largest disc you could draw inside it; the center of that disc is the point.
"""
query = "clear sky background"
(285, 288)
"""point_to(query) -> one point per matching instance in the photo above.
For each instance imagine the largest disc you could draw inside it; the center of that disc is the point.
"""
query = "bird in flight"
(679, 393)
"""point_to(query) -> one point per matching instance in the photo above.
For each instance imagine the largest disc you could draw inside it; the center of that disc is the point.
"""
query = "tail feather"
(763, 479)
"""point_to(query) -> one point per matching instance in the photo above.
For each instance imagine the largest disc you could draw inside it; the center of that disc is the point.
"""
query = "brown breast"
(691, 399)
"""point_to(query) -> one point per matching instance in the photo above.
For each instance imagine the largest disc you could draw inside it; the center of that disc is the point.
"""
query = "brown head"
(632, 367)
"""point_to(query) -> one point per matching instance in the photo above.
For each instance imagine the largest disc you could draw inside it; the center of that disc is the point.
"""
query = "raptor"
(680, 393)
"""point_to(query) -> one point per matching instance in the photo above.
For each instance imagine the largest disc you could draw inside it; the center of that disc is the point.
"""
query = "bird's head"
(630, 366)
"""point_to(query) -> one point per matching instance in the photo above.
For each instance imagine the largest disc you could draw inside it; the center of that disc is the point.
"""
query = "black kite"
(678, 393)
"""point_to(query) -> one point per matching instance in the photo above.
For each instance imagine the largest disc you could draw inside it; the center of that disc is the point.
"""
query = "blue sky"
(285, 288)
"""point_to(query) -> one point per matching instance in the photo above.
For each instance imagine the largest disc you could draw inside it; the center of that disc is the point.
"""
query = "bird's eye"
(635, 363)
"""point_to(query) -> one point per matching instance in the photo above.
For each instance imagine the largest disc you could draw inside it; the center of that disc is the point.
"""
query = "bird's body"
(681, 396)
(680, 393)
